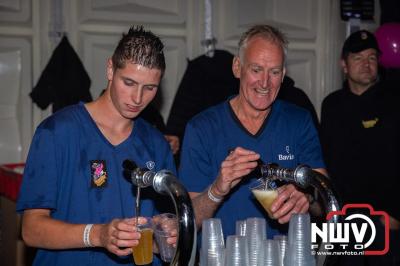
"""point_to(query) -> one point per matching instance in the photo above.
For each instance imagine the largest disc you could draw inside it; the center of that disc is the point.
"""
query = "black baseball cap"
(359, 41)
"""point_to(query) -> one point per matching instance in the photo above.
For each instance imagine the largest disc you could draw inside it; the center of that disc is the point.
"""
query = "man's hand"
(289, 201)
(119, 236)
(173, 142)
(169, 227)
(239, 163)
(42, 231)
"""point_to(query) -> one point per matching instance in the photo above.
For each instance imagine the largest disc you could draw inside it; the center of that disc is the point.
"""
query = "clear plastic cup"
(269, 253)
(255, 233)
(164, 226)
(299, 238)
(241, 228)
(143, 252)
(216, 257)
(265, 193)
(236, 251)
(212, 238)
(283, 245)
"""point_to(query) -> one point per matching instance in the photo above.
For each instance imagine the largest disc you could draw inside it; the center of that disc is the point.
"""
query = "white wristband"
(212, 197)
(86, 235)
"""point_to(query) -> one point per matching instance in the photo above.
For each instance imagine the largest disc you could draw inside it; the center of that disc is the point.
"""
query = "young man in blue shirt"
(77, 207)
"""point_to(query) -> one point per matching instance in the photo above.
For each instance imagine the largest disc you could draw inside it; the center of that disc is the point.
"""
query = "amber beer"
(143, 253)
(265, 197)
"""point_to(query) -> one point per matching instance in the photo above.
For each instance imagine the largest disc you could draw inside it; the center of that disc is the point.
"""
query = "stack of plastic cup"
(269, 253)
(236, 251)
(299, 238)
(212, 242)
(283, 243)
(256, 234)
(241, 227)
(216, 257)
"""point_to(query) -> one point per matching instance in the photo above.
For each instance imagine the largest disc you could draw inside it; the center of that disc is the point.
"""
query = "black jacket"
(207, 81)
(360, 136)
(64, 81)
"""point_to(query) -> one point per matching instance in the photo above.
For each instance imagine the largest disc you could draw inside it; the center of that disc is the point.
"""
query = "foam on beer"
(265, 197)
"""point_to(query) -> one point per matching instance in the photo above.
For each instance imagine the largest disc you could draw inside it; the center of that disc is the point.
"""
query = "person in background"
(292, 94)
(223, 144)
(360, 129)
(76, 206)
(152, 115)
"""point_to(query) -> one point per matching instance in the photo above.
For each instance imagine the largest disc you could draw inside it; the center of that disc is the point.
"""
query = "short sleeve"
(39, 183)
(195, 166)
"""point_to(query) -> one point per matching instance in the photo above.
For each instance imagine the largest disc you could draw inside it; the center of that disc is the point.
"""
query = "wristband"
(212, 197)
(86, 236)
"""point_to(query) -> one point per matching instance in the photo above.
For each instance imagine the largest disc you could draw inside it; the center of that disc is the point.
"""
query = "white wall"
(314, 29)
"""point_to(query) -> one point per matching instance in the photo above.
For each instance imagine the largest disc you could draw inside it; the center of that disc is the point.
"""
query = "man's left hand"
(290, 200)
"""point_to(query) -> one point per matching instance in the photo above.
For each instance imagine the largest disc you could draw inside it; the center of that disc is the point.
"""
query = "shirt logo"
(286, 156)
(150, 165)
(370, 123)
(98, 172)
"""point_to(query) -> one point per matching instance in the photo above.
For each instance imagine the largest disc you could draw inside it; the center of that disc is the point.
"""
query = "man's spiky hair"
(140, 47)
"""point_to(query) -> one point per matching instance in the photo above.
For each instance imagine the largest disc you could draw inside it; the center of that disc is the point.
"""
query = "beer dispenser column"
(164, 182)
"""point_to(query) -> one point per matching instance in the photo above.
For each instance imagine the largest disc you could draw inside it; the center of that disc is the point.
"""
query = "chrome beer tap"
(164, 182)
(303, 176)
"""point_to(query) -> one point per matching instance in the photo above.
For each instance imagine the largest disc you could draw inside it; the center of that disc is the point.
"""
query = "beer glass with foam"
(265, 193)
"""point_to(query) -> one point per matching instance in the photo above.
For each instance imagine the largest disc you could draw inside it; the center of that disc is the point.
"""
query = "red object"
(10, 180)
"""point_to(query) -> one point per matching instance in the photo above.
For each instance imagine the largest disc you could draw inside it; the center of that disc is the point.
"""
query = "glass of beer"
(143, 252)
(265, 193)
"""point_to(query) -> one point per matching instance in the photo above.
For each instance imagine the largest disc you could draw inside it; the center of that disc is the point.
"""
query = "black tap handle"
(129, 165)
(128, 168)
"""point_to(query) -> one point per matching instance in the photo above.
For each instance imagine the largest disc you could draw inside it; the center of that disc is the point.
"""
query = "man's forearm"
(44, 232)
(204, 207)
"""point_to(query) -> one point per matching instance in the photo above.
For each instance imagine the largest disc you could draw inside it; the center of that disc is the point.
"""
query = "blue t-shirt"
(74, 171)
(288, 138)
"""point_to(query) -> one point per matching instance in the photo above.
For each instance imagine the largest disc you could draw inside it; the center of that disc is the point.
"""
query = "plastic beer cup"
(143, 252)
(265, 195)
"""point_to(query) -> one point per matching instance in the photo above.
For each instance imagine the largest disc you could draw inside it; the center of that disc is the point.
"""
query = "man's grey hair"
(267, 32)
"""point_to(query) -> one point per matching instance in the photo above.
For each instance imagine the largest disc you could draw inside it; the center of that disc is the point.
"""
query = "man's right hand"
(40, 230)
(119, 236)
(239, 163)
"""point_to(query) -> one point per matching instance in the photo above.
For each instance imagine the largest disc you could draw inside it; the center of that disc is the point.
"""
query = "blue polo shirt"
(288, 137)
(74, 171)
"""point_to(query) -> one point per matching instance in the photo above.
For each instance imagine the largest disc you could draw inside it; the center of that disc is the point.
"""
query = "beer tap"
(304, 176)
(164, 182)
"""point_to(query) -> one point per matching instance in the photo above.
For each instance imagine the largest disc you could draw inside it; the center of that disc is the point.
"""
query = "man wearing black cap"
(360, 136)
